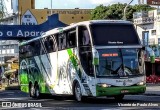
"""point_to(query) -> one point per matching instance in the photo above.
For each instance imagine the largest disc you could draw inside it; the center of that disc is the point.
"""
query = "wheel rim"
(37, 92)
(78, 92)
(32, 91)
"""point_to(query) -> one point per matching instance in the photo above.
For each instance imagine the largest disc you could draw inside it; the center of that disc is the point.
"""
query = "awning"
(15, 59)
(10, 71)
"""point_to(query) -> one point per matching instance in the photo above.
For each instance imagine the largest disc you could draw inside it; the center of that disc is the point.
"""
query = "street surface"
(144, 101)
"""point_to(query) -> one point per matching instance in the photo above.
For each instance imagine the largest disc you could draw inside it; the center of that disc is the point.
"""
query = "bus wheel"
(77, 92)
(37, 92)
(32, 91)
(119, 97)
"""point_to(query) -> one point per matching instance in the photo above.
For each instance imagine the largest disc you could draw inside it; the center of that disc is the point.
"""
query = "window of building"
(48, 12)
(12, 51)
(3, 51)
(3, 47)
(153, 32)
(8, 51)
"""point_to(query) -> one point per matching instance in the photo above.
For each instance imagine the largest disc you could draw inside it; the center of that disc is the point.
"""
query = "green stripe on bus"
(111, 91)
(24, 82)
(74, 60)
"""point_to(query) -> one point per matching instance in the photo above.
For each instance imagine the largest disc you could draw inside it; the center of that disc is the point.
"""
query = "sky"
(71, 4)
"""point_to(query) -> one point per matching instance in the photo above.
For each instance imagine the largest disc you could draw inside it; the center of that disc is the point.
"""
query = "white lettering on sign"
(29, 34)
(1, 33)
(75, 12)
(9, 33)
(154, 2)
(19, 33)
(115, 42)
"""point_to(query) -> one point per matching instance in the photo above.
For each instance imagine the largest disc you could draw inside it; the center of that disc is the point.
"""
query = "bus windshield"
(118, 62)
(112, 34)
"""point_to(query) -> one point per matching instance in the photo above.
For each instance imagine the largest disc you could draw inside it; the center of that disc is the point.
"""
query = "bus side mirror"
(140, 61)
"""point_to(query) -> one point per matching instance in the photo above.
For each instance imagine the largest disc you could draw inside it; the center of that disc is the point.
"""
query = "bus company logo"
(6, 104)
(115, 42)
(124, 83)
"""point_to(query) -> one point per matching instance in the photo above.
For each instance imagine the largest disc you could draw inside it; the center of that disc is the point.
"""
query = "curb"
(152, 84)
(12, 88)
(151, 94)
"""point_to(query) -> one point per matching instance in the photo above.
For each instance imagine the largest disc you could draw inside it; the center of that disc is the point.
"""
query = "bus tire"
(37, 92)
(77, 92)
(32, 91)
(119, 97)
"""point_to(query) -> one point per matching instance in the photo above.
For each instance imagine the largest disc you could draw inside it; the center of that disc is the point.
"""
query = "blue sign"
(20, 32)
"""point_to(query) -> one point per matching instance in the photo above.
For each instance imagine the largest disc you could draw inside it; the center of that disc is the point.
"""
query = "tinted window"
(71, 38)
(62, 44)
(83, 36)
(114, 34)
(49, 44)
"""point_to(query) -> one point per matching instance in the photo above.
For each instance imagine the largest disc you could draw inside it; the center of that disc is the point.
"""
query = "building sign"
(153, 2)
(14, 66)
(150, 13)
(29, 19)
(21, 32)
(72, 12)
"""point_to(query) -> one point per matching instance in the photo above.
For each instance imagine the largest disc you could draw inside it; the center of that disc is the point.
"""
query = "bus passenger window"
(85, 38)
(49, 44)
(71, 39)
(37, 45)
(62, 42)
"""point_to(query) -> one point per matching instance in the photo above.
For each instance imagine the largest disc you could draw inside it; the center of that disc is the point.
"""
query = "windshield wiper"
(113, 71)
(107, 68)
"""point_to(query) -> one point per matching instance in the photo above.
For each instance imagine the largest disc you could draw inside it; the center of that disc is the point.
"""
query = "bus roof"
(57, 30)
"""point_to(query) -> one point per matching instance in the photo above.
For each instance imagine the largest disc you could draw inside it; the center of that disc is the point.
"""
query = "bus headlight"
(141, 83)
(103, 85)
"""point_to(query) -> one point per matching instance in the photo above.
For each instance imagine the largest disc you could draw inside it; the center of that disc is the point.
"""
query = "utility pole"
(124, 16)
(51, 7)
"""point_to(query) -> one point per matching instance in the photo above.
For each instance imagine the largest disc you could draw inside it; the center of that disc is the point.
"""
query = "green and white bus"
(87, 59)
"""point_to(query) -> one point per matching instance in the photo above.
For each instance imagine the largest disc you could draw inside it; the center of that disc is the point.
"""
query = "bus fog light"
(141, 83)
(104, 85)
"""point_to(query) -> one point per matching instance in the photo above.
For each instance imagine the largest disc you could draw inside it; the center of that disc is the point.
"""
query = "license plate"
(124, 91)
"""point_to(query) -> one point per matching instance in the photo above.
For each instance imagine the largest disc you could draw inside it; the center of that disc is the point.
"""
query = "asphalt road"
(22, 101)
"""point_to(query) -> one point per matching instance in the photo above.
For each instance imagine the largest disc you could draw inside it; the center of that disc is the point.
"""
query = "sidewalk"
(13, 86)
(153, 89)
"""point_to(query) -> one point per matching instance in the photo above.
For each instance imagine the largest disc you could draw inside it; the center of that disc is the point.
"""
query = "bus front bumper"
(112, 91)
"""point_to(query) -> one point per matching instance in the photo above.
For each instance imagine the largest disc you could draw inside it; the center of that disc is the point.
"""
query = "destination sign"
(153, 2)
(109, 54)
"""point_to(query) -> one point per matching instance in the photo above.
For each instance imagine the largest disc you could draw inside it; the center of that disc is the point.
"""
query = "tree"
(116, 11)
(99, 12)
(142, 7)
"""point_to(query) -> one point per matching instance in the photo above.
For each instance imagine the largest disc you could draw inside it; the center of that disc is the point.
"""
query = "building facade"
(148, 26)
